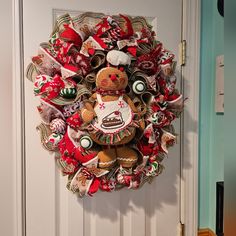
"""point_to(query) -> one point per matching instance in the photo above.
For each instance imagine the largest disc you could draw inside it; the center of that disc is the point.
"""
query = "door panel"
(51, 209)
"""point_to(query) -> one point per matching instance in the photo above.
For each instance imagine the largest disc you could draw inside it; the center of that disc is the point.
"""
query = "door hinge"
(181, 229)
(182, 52)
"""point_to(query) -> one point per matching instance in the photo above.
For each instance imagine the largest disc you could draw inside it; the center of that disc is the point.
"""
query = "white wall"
(6, 157)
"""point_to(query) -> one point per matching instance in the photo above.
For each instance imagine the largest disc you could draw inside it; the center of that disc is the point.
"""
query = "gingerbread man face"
(111, 78)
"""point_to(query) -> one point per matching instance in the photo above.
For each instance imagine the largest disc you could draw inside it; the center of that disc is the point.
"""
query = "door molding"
(191, 80)
(190, 72)
(18, 119)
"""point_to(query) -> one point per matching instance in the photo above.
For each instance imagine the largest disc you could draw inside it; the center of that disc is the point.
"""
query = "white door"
(53, 211)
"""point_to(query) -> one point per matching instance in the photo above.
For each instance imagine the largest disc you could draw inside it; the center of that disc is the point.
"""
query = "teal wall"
(211, 124)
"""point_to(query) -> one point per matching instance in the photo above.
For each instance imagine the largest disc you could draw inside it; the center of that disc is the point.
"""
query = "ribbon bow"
(86, 180)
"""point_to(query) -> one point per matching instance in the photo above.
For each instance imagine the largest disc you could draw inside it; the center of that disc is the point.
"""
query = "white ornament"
(86, 142)
(139, 87)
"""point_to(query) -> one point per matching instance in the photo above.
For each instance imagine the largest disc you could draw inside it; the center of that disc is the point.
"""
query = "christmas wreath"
(107, 101)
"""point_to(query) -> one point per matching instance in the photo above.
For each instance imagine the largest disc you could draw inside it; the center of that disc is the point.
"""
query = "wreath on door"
(107, 101)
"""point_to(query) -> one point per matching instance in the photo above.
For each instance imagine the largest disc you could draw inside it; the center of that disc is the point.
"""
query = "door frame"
(191, 79)
(189, 161)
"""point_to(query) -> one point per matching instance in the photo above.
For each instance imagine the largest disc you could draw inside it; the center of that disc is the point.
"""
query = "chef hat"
(116, 58)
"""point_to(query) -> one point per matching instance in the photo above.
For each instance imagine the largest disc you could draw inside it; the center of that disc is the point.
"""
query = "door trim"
(18, 119)
(189, 173)
(191, 80)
